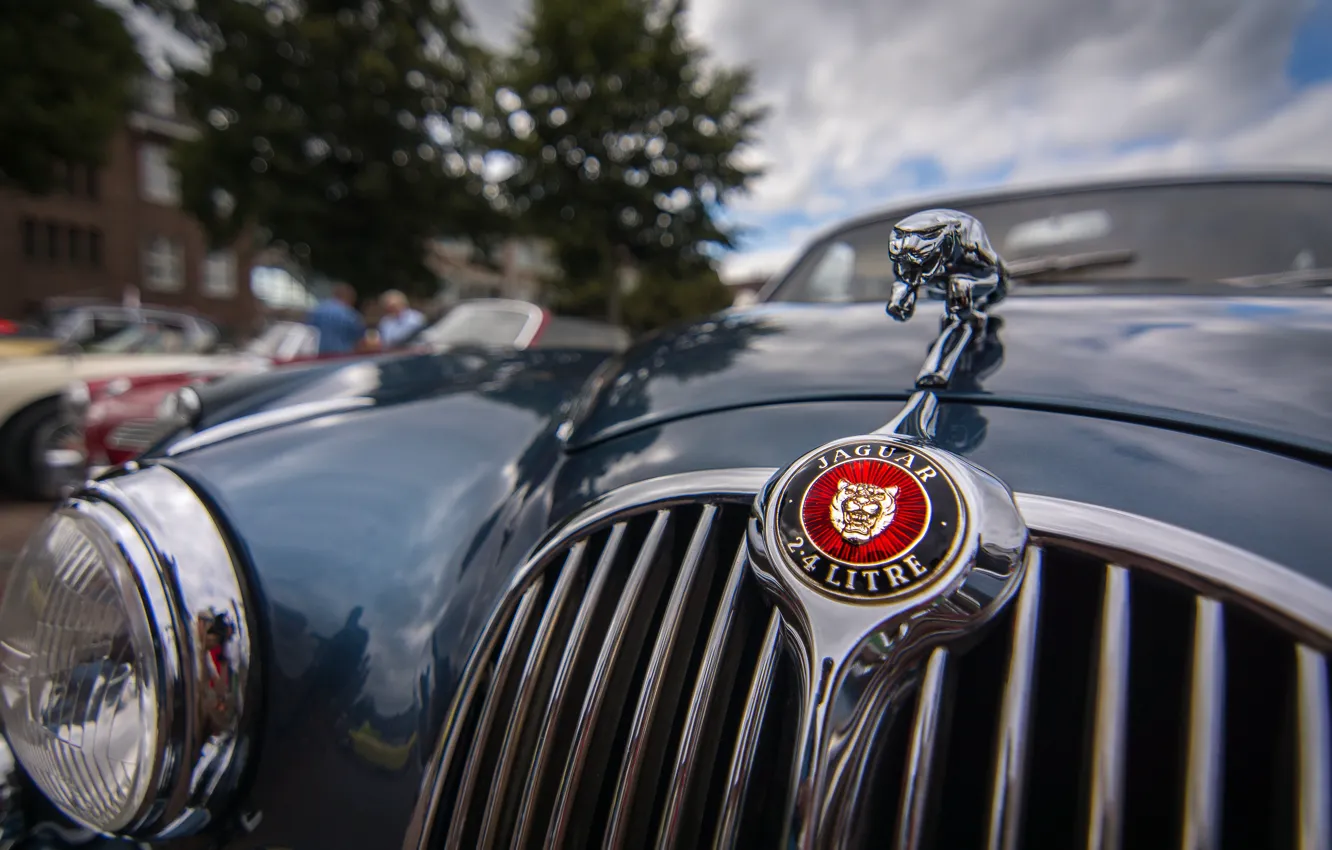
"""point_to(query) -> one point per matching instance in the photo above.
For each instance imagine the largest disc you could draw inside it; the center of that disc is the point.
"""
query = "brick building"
(120, 226)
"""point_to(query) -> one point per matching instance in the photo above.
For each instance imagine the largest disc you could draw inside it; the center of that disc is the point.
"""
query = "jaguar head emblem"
(861, 511)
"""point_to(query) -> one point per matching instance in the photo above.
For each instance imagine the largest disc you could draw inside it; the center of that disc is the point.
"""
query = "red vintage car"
(114, 421)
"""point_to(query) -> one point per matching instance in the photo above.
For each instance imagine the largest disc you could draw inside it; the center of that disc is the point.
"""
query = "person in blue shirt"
(340, 326)
(400, 320)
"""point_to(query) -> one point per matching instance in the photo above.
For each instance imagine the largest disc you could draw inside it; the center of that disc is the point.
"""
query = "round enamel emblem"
(869, 520)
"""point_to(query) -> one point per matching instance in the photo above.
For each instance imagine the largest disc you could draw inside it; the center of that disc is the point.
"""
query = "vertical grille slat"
(1010, 761)
(1105, 797)
(508, 653)
(746, 745)
(686, 759)
(920, 775)
(1314, 780)
(527, 814)
(582, 742)
(622, 808)
(458, 715)
(527, 687)
(1204, 759)
(636, 687)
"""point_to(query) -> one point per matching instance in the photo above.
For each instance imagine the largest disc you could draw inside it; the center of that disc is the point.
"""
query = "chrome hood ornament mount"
(884, 555)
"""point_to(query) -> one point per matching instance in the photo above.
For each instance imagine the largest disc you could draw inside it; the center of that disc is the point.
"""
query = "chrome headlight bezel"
(75, 401)
(186, 573)
(178, 409)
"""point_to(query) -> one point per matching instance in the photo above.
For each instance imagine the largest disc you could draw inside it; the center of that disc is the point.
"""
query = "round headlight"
(80, 689)
(126, 672)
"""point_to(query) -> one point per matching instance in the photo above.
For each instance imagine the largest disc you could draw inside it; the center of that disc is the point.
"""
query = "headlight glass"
(79, 680)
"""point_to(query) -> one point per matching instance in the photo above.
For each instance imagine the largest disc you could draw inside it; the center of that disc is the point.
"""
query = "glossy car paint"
(378, 540)
(1256, 365)
(373, 540)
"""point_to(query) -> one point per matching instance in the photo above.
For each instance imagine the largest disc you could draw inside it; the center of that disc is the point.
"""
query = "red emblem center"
(866, 511)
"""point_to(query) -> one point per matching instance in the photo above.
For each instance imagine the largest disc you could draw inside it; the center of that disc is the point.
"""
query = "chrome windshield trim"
(1208, 566)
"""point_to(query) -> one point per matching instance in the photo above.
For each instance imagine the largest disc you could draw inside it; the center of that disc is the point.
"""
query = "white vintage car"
(31, 389)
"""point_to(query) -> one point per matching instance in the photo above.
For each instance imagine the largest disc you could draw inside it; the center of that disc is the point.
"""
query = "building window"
(159, 96)
(75, 244)
(219, 274)
(30, 238)
(53, 240)
(95, 248)
(94, 182)
(163, 265)
(159, 182)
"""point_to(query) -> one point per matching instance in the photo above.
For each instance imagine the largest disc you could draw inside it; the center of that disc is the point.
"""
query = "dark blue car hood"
(1256, 365)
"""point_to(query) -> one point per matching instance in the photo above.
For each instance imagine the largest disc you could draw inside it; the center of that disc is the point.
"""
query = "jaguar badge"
(883, 553)
(870, 521)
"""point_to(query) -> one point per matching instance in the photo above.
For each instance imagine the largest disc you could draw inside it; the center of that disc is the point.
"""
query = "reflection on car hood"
(1261, 365)
(384, 379)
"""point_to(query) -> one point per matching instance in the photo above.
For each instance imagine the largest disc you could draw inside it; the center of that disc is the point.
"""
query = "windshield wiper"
(1053, 263)
(1292, 277)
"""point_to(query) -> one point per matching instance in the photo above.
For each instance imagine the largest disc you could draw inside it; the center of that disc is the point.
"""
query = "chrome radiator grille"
(134, 435)
(633, 692)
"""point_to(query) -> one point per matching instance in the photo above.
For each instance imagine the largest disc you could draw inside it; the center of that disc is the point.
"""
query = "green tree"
(625, 138)
(336, 127)
(661, 299)
(67, 71)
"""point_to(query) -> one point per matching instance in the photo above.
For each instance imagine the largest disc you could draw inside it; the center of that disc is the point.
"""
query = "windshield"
(468, 325)
(1204, 232)
(285, 341)
(144, 338)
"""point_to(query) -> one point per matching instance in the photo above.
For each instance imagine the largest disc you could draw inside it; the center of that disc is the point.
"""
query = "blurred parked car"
(1039, 558)
(70, 324)
(119, 346)
(110, 428)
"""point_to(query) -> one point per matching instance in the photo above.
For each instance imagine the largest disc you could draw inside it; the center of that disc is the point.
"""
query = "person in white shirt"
(400, 320)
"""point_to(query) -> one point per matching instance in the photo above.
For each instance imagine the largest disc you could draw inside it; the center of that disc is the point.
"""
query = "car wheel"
(28, 438)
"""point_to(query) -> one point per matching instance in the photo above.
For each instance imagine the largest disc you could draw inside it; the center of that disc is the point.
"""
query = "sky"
(876, 100)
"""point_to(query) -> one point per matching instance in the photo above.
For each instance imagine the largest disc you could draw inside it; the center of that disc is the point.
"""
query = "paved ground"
(17, 521)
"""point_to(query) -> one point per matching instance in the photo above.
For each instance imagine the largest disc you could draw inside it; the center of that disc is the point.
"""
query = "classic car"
(70, 324)
(144, 342)
(1036, 557)
(113, 424)
(111, 420)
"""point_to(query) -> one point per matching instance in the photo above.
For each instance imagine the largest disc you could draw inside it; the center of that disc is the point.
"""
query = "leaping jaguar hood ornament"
(948, 254)
(883, 552)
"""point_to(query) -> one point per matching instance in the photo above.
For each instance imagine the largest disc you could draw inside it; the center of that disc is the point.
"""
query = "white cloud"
(873, 99)
(748, 265)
